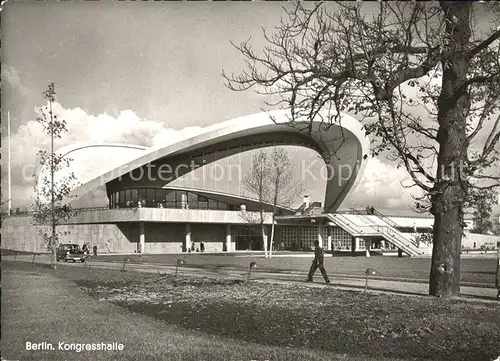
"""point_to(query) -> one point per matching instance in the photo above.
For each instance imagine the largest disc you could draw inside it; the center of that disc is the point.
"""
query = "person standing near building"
(318, 262)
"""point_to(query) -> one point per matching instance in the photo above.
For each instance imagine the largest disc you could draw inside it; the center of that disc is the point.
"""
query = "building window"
(308, 236)
(247, 238)
(121, 201)
(160, 198)
(341, 239)
(289, 237)
(164, 198)
(170, 199)
(202, 202)
(212, 204)
(143, 196)
(134, 197)
(150, 198)
(192, 200)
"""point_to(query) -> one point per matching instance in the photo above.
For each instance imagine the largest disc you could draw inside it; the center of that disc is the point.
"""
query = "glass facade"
(308, 235)
(248, 238)
(289, 237)
(165, 198)
(341, 239)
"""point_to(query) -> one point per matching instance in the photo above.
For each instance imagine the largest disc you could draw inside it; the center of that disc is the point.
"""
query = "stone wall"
(213, 235)
(164, 237)
(18, 233)
(479, 239)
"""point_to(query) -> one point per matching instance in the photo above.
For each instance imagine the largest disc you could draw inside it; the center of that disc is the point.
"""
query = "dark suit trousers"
(314, 266)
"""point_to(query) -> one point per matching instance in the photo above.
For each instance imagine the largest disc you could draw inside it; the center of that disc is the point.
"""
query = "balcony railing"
(29, 213)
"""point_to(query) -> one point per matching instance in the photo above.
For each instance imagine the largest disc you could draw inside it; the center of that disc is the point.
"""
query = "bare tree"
(424, 77)
(285, 189)
(257, 183)
(50, 208)
(272, 182)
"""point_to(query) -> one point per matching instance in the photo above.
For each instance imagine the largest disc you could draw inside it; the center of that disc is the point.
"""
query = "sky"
(140, 73)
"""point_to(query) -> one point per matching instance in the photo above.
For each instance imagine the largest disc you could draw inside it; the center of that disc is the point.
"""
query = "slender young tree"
(257, 183)
(272, 182)
(423, 77)
(51, 206)
(285, 189)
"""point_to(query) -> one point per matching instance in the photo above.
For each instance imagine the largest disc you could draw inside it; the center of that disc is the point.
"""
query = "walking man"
(318, 262)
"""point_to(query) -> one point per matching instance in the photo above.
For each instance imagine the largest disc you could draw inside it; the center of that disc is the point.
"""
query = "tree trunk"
(53, 249)
(450, 189)
(263, 230)
(445, 267)
(264, 241)
(271, 239)
(447, 208)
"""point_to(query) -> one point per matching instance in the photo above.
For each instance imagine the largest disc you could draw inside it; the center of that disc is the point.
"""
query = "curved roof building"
(173, 197)
(212, 163)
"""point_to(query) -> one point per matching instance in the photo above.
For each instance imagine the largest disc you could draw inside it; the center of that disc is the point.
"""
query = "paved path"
(339, 281)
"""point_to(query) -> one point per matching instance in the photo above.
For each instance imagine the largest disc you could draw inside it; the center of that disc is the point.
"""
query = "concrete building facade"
(154, 205)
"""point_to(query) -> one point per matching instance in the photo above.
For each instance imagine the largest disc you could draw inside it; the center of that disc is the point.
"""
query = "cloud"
(381, 187)
(11, 76)
(126, 128)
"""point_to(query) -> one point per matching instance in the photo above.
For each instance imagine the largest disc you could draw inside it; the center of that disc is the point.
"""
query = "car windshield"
(74, 248)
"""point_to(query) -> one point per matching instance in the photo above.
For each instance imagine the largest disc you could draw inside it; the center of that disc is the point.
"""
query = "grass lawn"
(40, 305)
(472, 270)
(208, 319)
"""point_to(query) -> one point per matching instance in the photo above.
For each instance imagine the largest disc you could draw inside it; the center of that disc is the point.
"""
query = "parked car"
(70, 252)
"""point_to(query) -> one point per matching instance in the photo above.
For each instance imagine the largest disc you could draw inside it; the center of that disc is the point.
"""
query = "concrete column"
(329, 239)
(187, 242)
(368, 246)
(142, 237)
(228, 238)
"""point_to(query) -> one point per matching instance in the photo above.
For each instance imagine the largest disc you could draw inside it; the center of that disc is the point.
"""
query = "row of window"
(341, 239)
(308, 235)
(164, 198)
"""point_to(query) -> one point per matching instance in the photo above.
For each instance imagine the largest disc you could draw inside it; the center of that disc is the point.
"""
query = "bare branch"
(484, 44)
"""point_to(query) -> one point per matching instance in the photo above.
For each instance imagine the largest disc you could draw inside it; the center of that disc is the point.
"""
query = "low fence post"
(252, 265)
(180, 262)
(124, 263)
(369, 272)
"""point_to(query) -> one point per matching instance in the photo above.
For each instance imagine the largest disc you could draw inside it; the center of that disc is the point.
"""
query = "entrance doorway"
(248, 238)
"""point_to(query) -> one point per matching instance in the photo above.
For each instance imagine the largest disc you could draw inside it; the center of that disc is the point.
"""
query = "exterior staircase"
(360, 224)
